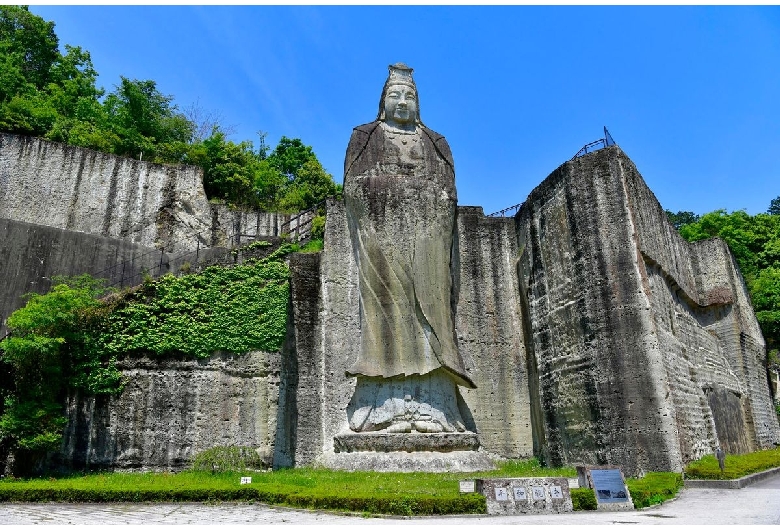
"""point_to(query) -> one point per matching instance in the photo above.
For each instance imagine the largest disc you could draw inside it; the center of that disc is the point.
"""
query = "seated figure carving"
(399, 190)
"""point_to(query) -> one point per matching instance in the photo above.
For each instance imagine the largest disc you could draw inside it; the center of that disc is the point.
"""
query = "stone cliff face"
(172, 409)
(593, 332)
(67, 210)
(157, 206)
(645, 348)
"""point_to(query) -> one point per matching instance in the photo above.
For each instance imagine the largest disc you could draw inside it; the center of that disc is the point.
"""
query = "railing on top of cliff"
(502, 213)
(595, 145)
(302, 230)
(297, 229)
(601, 143)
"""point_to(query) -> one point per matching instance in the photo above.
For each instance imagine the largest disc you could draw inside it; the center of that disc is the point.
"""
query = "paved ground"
(756, 504)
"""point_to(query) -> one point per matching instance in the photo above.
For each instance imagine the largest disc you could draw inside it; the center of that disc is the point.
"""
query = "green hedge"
(583, 499)
(386, 504)
(386, 493)
(654, 488)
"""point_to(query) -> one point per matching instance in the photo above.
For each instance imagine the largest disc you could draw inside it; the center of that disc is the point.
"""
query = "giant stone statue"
(399, 189)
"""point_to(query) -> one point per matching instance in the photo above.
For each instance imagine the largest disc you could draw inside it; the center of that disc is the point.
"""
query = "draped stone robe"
(399, 189)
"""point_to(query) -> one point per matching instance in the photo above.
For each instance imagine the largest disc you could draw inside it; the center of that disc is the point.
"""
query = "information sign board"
(608, 485)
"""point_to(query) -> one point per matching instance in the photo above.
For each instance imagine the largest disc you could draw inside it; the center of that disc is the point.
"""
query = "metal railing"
(587, 148)
(595, 145)
(502, 213)
(132, 271)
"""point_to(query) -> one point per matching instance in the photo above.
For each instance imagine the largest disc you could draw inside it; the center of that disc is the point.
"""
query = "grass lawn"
(367, 492)
(736, 465)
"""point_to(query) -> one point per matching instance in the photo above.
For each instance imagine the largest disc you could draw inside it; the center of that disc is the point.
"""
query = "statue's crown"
(400, 74)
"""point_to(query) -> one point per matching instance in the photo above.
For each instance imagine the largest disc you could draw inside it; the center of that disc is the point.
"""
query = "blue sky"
(691, 94)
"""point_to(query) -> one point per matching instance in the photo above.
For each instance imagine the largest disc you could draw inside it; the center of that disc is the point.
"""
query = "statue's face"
(401, 104)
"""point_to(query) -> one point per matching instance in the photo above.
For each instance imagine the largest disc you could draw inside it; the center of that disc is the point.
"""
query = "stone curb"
(735, 483)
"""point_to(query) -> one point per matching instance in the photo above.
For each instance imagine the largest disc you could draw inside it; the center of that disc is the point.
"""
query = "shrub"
(583, 499)
(233, 458)
(654, 488)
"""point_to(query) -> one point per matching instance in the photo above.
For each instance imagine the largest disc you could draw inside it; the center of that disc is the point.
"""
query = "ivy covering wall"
(72, 337)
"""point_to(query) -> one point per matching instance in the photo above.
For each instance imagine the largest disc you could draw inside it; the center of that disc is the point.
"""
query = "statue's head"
(399, 105)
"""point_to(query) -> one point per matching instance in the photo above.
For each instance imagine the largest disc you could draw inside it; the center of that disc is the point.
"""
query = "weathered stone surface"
(632, 328)
(30, 255)
(489, 325)
(153, 205)
(409, 442)
(172, 409)
(409, 462)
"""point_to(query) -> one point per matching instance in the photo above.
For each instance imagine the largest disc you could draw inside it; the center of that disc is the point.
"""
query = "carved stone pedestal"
(382, 442)
(433, 452)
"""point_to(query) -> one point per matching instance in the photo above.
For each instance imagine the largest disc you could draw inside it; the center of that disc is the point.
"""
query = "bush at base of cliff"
(48, 352)
(654, 488)
(583, 499)
(232, 458)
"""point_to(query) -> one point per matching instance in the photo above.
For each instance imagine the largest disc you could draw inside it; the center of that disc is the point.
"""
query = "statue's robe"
(401, 202)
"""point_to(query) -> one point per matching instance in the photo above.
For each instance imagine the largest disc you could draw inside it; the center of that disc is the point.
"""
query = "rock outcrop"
(592, 331)
(172, 409)
(644, 348)
(153, 205)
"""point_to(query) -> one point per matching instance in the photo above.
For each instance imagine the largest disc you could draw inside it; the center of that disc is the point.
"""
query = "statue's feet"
(401, 426)
(427, 426)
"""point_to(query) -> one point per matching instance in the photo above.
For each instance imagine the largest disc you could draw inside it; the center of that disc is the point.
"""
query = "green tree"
(774, 206)
(146, 122)
(28, 50)
(232, 171)
(307, 183)
(28, 45)
(681, 218)
(49, 351)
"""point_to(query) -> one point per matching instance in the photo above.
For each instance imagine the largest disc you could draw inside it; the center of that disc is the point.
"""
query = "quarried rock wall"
(172, 409)
(154, 205)
(488, 323)
(31, 254)
(645, 350)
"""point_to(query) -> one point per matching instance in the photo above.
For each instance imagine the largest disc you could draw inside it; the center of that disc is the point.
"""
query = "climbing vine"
(233, 309)
(72, 337)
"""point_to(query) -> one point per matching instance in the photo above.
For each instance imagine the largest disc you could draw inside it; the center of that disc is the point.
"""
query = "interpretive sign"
(468, 486)
(531, 495)
(609, 486)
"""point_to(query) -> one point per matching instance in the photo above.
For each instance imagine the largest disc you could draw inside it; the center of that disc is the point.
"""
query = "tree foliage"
(52, 95)
(49, 351)
(681, 218)
(774, 206)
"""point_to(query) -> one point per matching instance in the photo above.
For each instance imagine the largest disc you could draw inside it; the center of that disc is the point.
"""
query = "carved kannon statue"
(399, 189)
